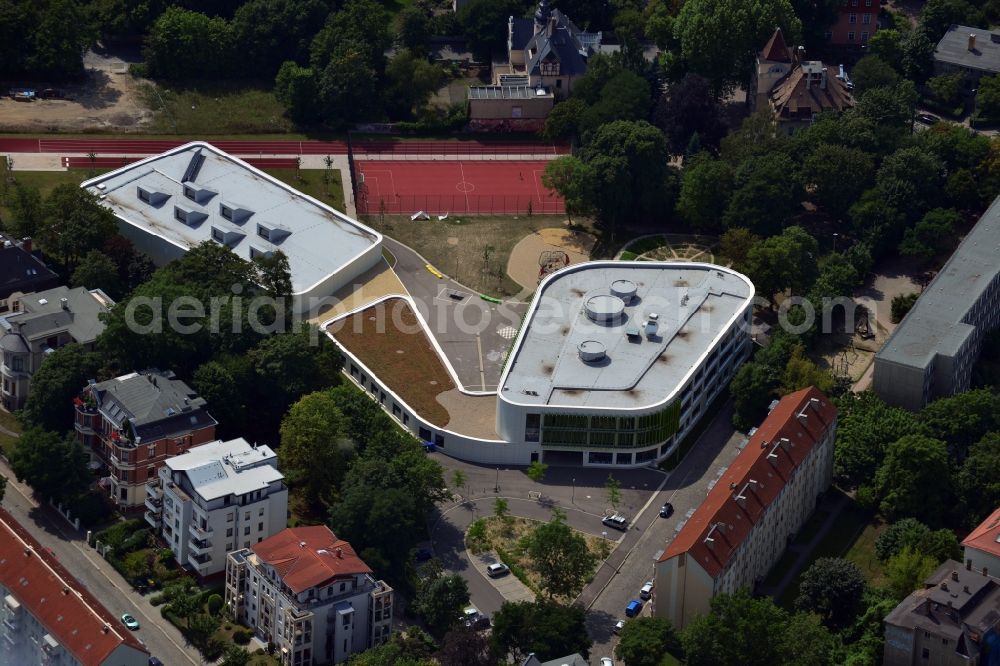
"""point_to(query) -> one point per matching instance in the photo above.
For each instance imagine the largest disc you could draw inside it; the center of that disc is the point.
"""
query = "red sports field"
(455, 187)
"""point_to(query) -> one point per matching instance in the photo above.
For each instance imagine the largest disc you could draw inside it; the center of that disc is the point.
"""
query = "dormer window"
(256, 251)
(189, 216)
(197, 193)
(234, 212)
(272, 232)
(189, 192)
(151, 196)
(264, 232)
(226, 235)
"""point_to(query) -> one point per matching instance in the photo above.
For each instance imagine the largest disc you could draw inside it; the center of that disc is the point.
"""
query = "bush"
(242, 636)
(92, 509)
(901, 305)
(165, 556)
(214, 604)
(116, 535)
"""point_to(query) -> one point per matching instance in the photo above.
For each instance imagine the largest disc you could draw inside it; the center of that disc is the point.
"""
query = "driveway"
(508, 585)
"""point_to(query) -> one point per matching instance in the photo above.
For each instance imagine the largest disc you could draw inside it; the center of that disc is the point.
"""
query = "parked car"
(607, 661)
(666, 510)
(646, 591)
(619, 625)
(476, 620)
(130, 622)
(155, 661)
(634, 608)
(928, 119)
(497, 569)
(617, 521)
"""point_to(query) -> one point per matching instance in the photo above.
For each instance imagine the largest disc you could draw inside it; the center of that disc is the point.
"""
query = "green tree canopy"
(73, 223)
(911, 533)
(977, 484)
(645, 641)
(865, 428)
(560, 556)
(548, 629)
(914, 480)
(873, 72)
(315, 452)
(988, 97)
(907, 571)
(935, 232)
(764, 196)
(56, 467)
(96, 270)
(783, 262)
(822, 174)
(706, 184)
(484, 23)
(414, 29)
(270, 32)
(441, 602)
(832, 588)
(411, 82)
(61, 377)
(185, 44)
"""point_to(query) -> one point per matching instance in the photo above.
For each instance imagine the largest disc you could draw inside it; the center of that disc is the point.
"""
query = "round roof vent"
(604, 309)
(592, 351)
(623, 289)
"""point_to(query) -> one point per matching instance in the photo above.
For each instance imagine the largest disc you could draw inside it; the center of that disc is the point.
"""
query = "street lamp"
(835, 241)
(573, 500)
(496, 486)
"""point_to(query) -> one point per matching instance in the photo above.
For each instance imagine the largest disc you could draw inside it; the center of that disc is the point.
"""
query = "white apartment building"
(741, 529)
(46, 615)
(309, 593)
(217, 498)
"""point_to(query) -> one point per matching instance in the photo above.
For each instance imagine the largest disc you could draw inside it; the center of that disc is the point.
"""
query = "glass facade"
(610, 432)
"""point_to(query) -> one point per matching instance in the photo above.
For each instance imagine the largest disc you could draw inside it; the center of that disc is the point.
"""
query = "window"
(227, 212)
(218, 235)
(868, 3)
(17, 363)
(864, 37)
(260, 527)
(229, 532)
(151, 451)
(926, 654)
(516, 112)
(532, 426)
(853, 18)
(866, 19)
(261, 512)
(124, 493)
(229, 516)
(263, 232)
(246, 516)
(850, 36)
(246, 531)
(150, 472)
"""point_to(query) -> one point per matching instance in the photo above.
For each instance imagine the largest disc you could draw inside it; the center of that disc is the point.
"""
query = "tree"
(97, 271)
(744, 631)
(907, 571)
(560, 556)
(73, 223)
(988, 97)
(185, 44)
(763, 196)
(271, 32)
(464, 646)
(937, 15)
(297, 88)
(832, 588)
(484, 23)
(872, 72)
(706, 184)
(865, 428)
(536, 471)
(25, 212)
(458, 479)
(613, 488)
(910, 481)
(932, 234)
(800, 373)
(315, 452)
(348, 86)
(501, 509)
(572, 178)
(411, 82)
(236, 656)
(413, 29)
(784, 262)
(901, 305)
(910, 180)
(624, 96)
(735, 244)
(688, 108)
(885, 45)
(441, 602)
(293, 364)
(645, 641)
(362, 25)
(563, 121)
(978, 487)
(61, 377)
(200, 628)
(822, 174)
(752, 389)
(59, 40)
(545, 628)
(911, 533)
(719, 38)
(947, 88)
(56, 467)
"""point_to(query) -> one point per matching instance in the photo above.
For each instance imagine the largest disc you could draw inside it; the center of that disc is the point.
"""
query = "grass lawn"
(508, 541)
(215, 108)
(44, 181)
(455, 246)
(389, 340)
(8, 422)
(310, 181)
(862, 553)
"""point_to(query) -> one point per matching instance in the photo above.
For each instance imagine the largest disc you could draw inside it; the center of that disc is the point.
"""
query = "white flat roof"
(223, 468)
(695, 305)
(317, 239)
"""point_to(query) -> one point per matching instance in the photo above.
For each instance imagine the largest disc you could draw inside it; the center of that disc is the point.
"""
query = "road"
(71, 549)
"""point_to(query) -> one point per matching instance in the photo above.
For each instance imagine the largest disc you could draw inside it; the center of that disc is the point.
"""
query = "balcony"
(153, 519)
(154, 488)
(199, 532)
(200, 563)
(200, 547)
(155, 505)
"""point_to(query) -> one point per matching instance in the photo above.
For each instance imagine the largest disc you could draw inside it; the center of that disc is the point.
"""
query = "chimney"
(302, 544)
(64, 302)
(822, 79)
(340, 553)
(968, 565)
(965, 588)
(25, 244)
(954, 576)
(972, 41)
(552, 25)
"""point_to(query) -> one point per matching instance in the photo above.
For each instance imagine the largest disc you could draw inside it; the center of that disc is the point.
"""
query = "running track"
(278, 147)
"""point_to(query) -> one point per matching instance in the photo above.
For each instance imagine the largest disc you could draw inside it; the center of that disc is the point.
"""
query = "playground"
(545, 251)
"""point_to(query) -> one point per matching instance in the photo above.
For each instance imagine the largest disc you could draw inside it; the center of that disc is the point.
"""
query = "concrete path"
(509, 586)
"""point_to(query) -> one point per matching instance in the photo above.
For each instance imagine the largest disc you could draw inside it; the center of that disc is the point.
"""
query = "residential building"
(21, 272)
(982, 546)
(48, 616)
(39, 324)
(308, 593)
(795, 89)
(217, 498)
(933, 350)
(509, 108)
(569, 660)
(133, 423)
(741, 529)
(974, 52)
(167, 204)
(951, 621)
(857, 22)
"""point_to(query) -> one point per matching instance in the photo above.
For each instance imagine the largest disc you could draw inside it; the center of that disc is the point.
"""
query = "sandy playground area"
(525, 263)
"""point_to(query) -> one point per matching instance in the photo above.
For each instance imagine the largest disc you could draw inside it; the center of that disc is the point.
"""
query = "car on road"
(497, 569)
(646, 592)
(619, 625)
(666, 510)
(634, 608)
(617, 521)
(130, 621)
(607, 661)
(476, 620)
(155, 661)
(928, 119)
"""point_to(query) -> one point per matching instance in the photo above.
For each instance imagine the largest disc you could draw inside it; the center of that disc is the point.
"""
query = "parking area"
(508, 585)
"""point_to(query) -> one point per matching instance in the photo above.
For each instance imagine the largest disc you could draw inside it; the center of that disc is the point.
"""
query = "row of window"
(601, 431)
(854, 3)
(866, 19)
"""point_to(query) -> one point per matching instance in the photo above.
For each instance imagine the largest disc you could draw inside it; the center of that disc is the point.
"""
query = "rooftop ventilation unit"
(592, 351)
(624, 289)
(604, 309)
(652, 324)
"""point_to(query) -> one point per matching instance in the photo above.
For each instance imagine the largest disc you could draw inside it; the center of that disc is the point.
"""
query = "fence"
(401, 150)
(459, 204)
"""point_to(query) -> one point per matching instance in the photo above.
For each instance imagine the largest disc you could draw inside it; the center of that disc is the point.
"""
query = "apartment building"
(217, 498)
(132, 424)
(741, 529)
(857, 22)
(38, 324)
(309, 593)
(21, 272)
(951, 621)
(933, 350)
(982, 546)
(49, 617)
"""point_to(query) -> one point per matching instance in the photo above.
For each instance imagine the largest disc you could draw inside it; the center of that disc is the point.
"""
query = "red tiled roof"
(308, 557)
(986, 536)
(750, 484)
(775, 48)
(796, 97)
(59, 602)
